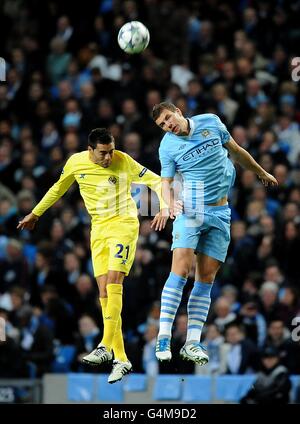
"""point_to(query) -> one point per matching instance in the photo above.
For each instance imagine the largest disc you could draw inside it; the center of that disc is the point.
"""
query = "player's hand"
(268, 179)
(28, 222)
(160, 219)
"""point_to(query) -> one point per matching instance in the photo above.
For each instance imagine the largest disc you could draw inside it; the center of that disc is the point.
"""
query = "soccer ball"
(133, 37)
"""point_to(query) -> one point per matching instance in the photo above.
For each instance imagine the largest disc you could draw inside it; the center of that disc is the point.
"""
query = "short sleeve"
(168, 167)
(224, 133)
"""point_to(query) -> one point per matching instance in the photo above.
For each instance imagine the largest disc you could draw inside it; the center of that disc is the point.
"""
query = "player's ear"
(178, 111)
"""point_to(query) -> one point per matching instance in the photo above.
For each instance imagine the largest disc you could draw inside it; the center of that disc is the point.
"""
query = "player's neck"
(187, 128)
(91, 158)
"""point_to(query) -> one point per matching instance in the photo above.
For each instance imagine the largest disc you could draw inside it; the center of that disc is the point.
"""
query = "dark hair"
(235, 324)
(99, 136)
(45, 249)
(270, 352)
(158, 108)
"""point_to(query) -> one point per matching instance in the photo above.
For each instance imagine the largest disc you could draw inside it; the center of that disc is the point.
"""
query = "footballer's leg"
(121, 365)
(100, 259)
(211, 252)
(111, 302)
(115, 260)
(113, 337)
(122, 252)
(112, 315)
(118, 342)
(198, 307)
(185, 239)
(171, 298)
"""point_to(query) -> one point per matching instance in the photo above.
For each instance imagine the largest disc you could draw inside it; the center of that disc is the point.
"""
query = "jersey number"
(120, 248)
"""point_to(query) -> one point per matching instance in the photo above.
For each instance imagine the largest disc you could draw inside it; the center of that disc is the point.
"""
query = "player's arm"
(142, 175)
(168, 170)
(159, 186)
(168, 192)
(242, 157)
(53, 194)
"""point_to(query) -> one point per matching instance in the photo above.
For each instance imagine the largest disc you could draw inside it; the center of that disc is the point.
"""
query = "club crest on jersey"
(112, 179)
(205, 133)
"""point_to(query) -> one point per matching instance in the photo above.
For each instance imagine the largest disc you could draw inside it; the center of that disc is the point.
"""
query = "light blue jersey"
(207, 174)
(201, 160)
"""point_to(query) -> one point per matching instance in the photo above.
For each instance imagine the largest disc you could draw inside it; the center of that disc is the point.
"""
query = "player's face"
(172, 122)
(103, 154)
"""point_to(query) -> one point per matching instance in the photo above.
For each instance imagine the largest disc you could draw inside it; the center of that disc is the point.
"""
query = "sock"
(103, 303)
(118, 342)
(170, 300)
(112, 314)
(198, 306)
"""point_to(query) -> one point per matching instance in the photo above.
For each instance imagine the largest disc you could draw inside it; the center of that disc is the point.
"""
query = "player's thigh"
(122, 247)
(100, 255)
(214, 243)
(186, 232)
(206, 268)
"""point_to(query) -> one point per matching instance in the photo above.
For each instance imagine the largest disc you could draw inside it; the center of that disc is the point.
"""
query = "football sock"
(198, 306)
(118, 342)
(112, 314)
(103, 303)
(170, 300)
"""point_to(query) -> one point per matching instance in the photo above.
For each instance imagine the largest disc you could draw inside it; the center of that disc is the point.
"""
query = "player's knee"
(182, 268)
(207, 276)
(115, 277)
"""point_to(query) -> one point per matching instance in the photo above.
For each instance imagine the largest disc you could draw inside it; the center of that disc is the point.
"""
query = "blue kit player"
(197, 149)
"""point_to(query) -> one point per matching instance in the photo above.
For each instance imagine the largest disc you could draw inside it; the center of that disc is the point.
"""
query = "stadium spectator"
(239, 355)
(272, 383)
(36, 342)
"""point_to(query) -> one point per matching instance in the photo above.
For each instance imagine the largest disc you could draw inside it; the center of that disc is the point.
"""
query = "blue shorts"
(208, 233)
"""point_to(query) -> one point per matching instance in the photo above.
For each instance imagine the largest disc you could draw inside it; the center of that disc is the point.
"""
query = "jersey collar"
(192, 127)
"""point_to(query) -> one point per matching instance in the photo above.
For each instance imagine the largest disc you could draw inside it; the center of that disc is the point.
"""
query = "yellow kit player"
(104, 176)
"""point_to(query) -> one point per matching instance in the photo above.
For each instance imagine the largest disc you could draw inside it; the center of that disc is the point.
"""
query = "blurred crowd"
(65, 75)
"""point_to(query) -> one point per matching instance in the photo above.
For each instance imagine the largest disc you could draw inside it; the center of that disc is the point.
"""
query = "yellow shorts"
(113, 245)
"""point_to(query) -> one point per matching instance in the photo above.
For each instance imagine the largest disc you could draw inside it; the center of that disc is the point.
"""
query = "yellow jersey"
(106, 191)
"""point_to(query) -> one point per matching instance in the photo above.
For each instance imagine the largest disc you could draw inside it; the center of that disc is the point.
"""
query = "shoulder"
(164, 144)
(71, 161)
(206, 119)
(77, 157)
(122, 156)
(281, 369)
(123, 161)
